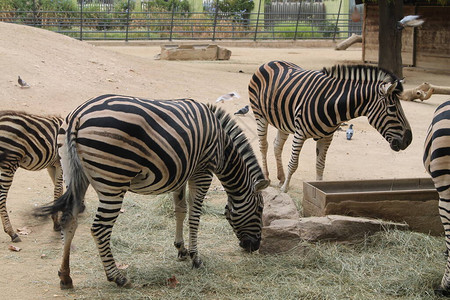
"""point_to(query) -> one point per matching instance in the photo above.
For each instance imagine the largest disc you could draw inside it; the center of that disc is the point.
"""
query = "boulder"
(194, 52)
(278, 205)
(285, 234)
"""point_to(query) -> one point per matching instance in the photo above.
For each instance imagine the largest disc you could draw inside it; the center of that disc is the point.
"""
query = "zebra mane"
(363, 73)
(239, 139)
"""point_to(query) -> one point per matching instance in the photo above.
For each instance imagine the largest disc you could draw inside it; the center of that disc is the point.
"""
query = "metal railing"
(113, 25)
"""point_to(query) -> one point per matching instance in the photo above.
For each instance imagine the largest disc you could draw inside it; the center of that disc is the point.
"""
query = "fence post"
(171, 22)
(81, 21)
(257, 19)
(215, 20)
(298, 19)
(128, 21)
(337, 21)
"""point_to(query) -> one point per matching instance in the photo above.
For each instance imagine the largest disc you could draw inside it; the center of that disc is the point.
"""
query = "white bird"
(349, 132)
(22, 83)
(227, 97)
(410, 21)
(242, 111)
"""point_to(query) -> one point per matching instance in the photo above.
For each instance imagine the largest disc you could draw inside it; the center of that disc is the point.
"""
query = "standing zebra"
(119, 144)
(436, 159)
(27, 141)
(313, 104)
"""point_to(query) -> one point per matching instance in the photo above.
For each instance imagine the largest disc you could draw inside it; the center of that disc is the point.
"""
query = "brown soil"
(64, 72)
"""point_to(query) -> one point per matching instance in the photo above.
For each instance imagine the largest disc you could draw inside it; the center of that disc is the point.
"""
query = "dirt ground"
(63, 73)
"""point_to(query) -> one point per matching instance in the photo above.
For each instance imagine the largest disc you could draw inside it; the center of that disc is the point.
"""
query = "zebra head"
(246, 217)
(387, 116)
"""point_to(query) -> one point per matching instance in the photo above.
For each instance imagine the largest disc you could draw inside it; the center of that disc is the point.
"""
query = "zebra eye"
(392, 108)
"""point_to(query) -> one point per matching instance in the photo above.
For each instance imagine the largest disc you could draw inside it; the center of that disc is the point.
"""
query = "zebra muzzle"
(249, 244)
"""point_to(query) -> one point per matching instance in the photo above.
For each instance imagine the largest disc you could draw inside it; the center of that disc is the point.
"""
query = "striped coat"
(313, 104)
(119, 144)
(27, 141)
(436, 159)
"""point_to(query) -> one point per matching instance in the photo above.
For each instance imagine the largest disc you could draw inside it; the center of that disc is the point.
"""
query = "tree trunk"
(389, 37)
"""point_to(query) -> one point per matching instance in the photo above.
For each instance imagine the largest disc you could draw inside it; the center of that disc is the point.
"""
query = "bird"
(22, 83)
(227, 97)
(410, 21)
(349, 132)
(242, 111)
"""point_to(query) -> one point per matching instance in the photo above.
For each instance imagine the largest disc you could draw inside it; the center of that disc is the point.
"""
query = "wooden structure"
(427, 46)
(410, 200)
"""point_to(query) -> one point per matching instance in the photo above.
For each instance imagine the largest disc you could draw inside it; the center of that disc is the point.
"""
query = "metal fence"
(128, 25)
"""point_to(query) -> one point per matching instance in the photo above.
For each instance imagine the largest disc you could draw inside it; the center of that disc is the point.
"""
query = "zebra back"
(28, 139)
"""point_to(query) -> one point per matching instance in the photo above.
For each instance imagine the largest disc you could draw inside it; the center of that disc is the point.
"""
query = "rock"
(278, 205)
(285, 234)
(194, 52)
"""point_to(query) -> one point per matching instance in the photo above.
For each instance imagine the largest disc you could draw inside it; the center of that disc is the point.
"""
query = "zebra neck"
(349, 99)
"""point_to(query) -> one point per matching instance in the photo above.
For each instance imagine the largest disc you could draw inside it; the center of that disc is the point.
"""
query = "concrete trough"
(410, 200)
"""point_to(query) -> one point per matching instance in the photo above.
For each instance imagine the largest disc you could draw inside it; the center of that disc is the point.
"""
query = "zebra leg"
(261, 127)
(297, 145)
(107, 213)
(279, 142)
(67, 233)
(198, 186)
(6, 179)
(322, 146)
(180, 207)
(444, 212)
(56, 175)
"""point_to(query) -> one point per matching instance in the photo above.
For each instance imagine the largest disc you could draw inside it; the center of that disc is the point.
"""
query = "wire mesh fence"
(92, 23)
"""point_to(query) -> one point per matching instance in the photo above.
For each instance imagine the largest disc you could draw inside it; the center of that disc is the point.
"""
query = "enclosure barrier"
(265, 24)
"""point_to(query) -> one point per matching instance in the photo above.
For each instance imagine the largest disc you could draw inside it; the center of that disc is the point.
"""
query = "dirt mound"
(60, 70)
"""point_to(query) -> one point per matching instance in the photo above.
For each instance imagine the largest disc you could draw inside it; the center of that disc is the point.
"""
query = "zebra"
(27, 141)
(121, 143)
(313, 104)
(436, 159)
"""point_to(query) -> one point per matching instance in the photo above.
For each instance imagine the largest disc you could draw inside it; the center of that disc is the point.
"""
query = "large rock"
(278, 205)
(194, 52)
(286, 234)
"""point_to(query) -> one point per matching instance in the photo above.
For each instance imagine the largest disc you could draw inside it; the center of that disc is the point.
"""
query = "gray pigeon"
(242, 111)
(410, 21)
(22, 83)
(349, 132)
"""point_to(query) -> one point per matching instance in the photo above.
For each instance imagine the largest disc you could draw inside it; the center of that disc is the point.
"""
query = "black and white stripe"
(313, 104)
(119, 144)
(27, 141)
(436, 159)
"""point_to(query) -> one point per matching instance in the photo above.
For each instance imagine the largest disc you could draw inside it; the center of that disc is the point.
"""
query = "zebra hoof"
(123, 282)
(196, 263)
(182, 255)
(56, 227)
(15, 238)
(66, 283)
(441, 292)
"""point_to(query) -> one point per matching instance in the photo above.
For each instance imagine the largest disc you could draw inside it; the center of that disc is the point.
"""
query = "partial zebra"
(313, 104)
(27, 141)
(119, 144)
(436, 159)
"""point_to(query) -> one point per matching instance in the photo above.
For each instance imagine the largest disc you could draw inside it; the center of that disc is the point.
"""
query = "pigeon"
(410, 21)
(242, 111)
(349, 132)
(22, 83)
(227, 97)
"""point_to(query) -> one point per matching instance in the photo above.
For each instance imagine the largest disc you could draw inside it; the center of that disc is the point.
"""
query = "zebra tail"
(72, 201)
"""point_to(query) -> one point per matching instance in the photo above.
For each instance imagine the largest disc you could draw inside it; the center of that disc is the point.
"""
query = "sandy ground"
(64, 72)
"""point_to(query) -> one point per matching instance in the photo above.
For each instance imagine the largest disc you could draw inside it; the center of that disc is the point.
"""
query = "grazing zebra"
(27, 141)
(119, 144)
(436, 159)
(313, 104)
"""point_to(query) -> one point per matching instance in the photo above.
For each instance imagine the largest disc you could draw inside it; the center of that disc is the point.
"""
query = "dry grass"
(388, 265)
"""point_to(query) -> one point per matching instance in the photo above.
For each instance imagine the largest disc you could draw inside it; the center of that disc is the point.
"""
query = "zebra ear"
(389, 88)
(261, 184)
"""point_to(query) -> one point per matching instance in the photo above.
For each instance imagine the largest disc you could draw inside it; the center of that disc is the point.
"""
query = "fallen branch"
(424, 92)
(348, 42)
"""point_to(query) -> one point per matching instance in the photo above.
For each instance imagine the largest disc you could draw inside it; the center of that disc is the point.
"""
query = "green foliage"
(243, 6)
(179, 5)
(304, 30)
